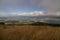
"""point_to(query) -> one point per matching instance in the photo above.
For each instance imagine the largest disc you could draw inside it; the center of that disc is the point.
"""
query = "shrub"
(39, 23)
(2, 23)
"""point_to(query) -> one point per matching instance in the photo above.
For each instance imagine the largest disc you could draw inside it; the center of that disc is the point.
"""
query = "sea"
(51, 20)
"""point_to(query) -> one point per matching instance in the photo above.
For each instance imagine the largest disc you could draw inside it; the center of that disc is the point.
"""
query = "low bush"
(2, 23)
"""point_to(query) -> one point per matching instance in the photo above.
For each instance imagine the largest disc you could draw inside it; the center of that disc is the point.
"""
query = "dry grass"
(29, 32)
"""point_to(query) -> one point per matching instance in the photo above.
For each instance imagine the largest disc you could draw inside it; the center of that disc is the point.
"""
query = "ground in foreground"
(29, 32)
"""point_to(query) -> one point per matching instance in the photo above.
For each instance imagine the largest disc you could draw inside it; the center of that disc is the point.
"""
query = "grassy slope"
(29, 32)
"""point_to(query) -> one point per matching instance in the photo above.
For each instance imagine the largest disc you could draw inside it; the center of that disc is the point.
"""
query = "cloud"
(52, 7)
(34, 13)
(13, 4)
(4, 14)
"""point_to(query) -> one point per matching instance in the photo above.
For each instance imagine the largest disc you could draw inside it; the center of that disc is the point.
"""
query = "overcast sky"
(15, 7)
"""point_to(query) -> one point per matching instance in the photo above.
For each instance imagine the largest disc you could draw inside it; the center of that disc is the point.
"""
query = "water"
(51, 21)
(40, 19)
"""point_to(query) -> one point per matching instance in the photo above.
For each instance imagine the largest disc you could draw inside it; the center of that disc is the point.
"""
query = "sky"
(29, 7)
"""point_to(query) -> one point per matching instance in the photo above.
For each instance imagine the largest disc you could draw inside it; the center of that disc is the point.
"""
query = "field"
(29, 32)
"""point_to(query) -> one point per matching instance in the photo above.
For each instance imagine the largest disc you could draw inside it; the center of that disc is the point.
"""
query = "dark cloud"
(48, 4)
(7, 6)
(51, 5)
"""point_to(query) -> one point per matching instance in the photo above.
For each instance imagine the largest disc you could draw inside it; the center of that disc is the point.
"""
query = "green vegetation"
(28, 23)
(44, 23)
(38, 23)
(2, 23)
